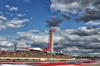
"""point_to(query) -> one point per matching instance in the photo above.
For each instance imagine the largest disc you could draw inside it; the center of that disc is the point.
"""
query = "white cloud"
(36, 38)
(7, 6)
(33, 37)
(72, 48)
(71, 6)
(2, 25)
(16, 23)
(11, 8)
(95, 23)
(12, 20)
(95, 54)
(14, 26)
(2, 39)
(65, 7)
(3, 18)
(19, 15)
(57, 39)
(4, 42)
(34, 31)
(1, 22)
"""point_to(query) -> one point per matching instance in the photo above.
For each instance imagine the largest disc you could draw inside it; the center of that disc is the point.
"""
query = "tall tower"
(50, 42)
(51, 39)
(15, 44)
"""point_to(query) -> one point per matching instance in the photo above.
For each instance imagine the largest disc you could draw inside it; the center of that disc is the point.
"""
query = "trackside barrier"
(59, 59)
(22, 59)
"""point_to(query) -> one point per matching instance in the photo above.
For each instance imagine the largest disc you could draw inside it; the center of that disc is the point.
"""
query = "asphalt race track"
(76, 63)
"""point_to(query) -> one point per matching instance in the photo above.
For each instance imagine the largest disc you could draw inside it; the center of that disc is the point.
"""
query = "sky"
(77, 24)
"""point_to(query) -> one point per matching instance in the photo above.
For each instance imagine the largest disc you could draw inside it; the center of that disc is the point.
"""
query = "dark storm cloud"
(94, 27)
(90, 15)
(97, 4)
(67, 16)
(53, 22)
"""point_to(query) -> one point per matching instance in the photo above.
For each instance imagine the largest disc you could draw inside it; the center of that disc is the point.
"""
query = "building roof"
(36, 48)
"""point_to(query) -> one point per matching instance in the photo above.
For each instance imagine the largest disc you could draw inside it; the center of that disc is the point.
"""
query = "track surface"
(76, 63)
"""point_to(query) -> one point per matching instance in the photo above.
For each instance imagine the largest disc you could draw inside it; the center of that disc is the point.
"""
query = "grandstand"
(32, 54)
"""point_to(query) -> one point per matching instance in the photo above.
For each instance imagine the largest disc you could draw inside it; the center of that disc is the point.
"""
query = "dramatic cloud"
(79, 42)
(84, 31)
(53, 22)
(67, 16)
(84, 41)
(36, 38)
(70, 41)
(88, 10)
(71, 6)
(90, 15)
(16, 23)
(97, 4)
(33, 36)
(11, 8)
